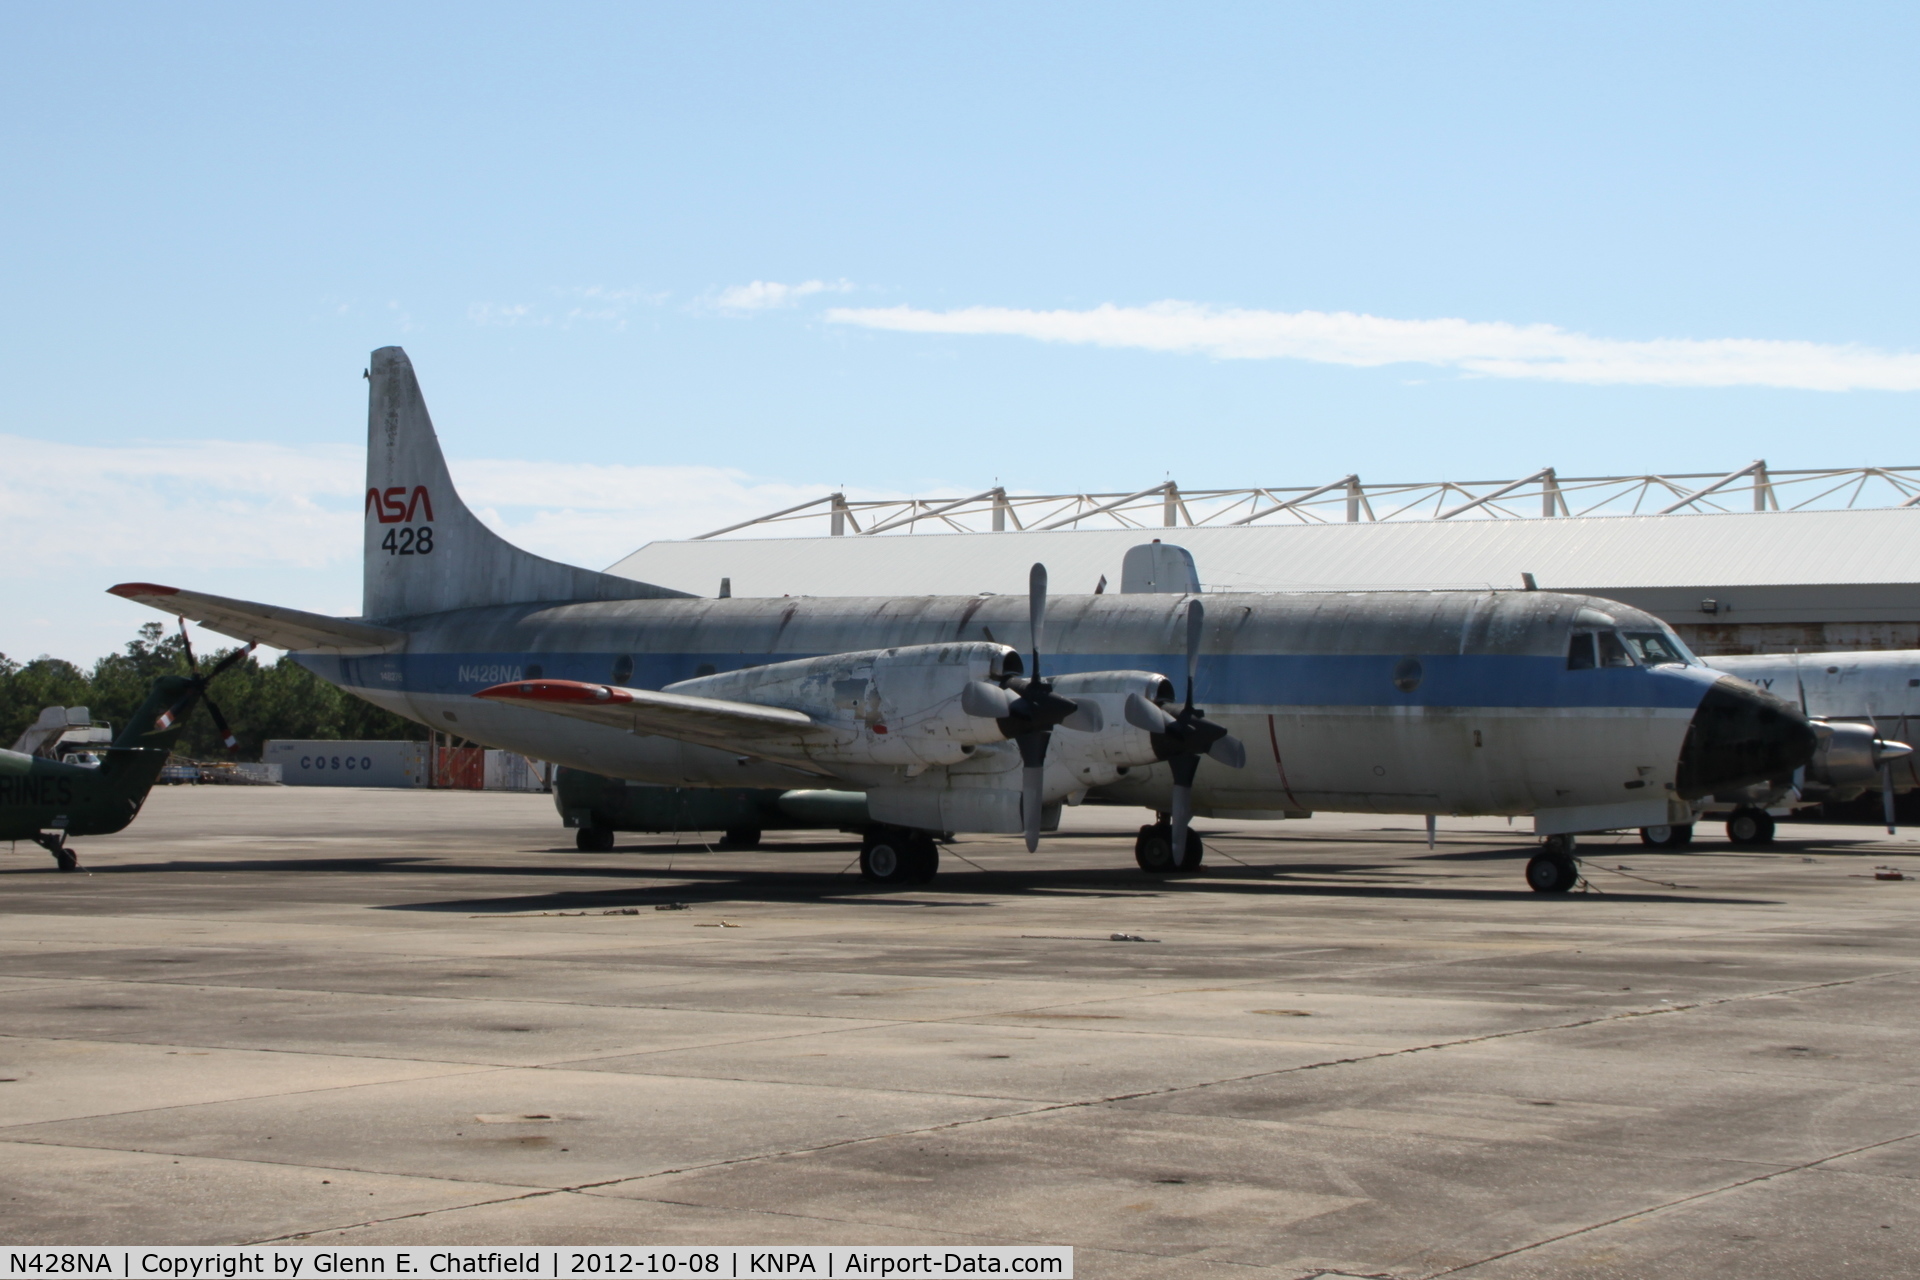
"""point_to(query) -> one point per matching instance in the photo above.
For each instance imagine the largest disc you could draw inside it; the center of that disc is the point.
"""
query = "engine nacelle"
(1077, 761)
(876, 706)
(1848, 760)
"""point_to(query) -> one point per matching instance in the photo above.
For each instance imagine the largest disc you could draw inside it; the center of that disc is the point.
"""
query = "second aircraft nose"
(1741, 735)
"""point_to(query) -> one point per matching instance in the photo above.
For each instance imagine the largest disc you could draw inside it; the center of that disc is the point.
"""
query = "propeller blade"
(1037, 611)
(990, 701)
(1142, 714)
(1196, 623)
(1184, 767)
(187, 642)
(1032, 795)
(1086, 717)
(1229, 751)
(220, 723)
(1886, 795)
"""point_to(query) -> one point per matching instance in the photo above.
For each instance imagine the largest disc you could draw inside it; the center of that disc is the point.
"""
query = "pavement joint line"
(1079, 1104)
(276, 1164)
(1675, 1203)
(468, 1069)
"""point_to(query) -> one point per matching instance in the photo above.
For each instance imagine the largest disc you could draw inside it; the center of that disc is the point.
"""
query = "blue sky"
(562, 211)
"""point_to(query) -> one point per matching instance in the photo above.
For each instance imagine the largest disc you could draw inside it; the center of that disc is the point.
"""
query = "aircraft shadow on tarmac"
(700, 880)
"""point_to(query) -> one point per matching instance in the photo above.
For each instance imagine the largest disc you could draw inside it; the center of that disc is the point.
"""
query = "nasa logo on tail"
(395, 506)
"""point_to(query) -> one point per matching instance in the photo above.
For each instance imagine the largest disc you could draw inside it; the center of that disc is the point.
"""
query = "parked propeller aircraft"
(1587, 714)
(47, 801)
(1858, 703)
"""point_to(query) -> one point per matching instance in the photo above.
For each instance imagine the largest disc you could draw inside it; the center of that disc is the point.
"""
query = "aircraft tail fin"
(425, 551)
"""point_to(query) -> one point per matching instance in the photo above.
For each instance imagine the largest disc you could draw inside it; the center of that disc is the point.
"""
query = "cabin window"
(1653, 649)
(1580, 652)
(1612, 652)
(623, 668)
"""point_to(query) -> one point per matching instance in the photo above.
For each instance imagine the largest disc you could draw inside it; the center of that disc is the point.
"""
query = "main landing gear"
(593, 839)
(55, 843)
(1553, 869)
(1750, 826)
(1153, 850)
(1674, 837)
(898, 855)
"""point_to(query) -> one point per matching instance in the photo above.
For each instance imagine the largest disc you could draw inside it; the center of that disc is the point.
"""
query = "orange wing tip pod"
(565, 692)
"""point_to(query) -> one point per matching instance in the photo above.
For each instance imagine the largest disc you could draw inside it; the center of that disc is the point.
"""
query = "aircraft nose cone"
(1741, 735)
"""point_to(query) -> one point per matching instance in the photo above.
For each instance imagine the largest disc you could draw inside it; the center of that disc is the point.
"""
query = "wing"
(711, 722)
(267, 624)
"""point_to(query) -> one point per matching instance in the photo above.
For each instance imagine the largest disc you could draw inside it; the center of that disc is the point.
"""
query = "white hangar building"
(1749, 562)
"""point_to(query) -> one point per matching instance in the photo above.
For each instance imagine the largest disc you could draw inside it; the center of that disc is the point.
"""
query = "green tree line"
(283, 700)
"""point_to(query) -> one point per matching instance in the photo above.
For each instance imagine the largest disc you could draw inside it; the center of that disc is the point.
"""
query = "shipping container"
(349, 764)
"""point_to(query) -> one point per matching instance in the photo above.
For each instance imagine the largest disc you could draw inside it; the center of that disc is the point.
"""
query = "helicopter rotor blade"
(186, 642)
(220, 724)
(228, 661)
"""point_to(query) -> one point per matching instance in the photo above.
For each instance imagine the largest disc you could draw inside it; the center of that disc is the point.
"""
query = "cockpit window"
(1654, 649)
(1580, 652)
(1612, 652)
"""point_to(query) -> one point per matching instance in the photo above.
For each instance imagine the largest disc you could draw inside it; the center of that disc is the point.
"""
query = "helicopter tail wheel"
(55, 843)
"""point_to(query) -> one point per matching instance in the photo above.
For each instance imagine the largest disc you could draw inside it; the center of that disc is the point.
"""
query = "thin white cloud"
(1490, 349)
(766, 295)
(283, 523)
(579, 304)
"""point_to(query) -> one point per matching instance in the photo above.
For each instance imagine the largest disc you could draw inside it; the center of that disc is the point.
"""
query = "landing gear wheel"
(1190, 856)
(923, 857)
(1750, 826)
(741, 838)
(593, 839)
(888, 855)
(1667, 837)
(1153, 849)
(55, 843)
(1552, 872)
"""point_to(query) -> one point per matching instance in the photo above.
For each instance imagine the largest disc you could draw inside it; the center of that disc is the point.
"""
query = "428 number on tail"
(409, 541)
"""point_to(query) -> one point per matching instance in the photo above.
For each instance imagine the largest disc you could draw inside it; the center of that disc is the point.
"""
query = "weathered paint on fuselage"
(1495, 723)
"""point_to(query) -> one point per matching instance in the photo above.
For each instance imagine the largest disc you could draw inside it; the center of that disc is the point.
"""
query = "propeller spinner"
(1181, 739)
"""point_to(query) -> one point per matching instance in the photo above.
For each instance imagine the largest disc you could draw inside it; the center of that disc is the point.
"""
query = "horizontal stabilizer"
(712, 722)
(267, 624)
